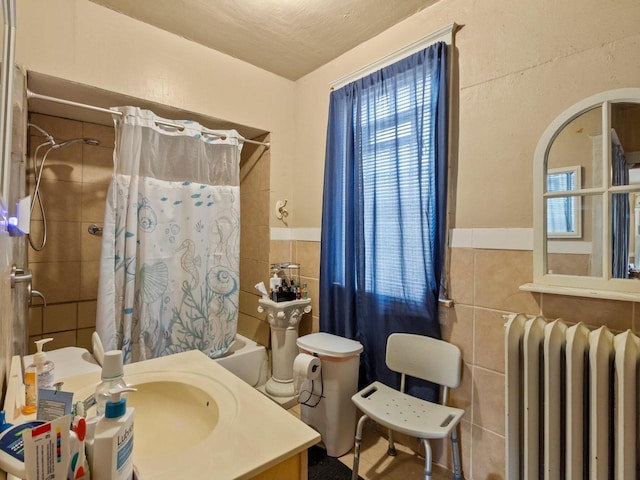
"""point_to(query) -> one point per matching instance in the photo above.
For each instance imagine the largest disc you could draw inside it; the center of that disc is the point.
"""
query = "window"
(397, 166)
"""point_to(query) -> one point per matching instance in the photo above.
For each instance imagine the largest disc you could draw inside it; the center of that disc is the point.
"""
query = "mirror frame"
(604, 286)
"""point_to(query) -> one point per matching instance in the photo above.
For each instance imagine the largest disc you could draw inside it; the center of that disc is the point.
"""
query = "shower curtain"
(169, 270)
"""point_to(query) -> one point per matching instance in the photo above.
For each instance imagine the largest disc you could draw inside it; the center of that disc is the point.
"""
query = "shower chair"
(426, 358)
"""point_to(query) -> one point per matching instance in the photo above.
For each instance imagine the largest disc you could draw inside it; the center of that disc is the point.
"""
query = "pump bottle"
(40, 374)
(112, 376)
(111, 451)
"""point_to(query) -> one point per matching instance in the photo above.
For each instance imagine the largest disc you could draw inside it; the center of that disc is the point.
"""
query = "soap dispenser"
(40, 374)
(44, 367)
(112, 446)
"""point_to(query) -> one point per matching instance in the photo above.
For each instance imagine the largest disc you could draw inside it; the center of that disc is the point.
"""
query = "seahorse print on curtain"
(170, 262)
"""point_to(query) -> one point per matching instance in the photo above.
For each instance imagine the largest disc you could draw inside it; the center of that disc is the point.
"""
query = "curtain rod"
(445, 34)
(70, 103)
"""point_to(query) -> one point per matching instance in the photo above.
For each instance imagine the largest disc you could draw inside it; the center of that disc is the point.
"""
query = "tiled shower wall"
(74, 186)
(254, 238)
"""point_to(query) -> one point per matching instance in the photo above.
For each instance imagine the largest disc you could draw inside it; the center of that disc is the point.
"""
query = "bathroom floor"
(375, 464)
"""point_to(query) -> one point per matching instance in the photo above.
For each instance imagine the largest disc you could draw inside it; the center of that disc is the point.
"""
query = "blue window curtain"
(384, 208)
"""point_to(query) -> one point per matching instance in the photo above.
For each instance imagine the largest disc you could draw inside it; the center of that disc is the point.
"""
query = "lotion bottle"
(112, 449)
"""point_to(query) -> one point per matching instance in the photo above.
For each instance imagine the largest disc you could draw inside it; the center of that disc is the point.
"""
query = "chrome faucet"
(37, 293)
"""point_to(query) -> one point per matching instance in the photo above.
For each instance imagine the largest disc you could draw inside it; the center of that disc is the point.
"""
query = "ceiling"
(287, 37)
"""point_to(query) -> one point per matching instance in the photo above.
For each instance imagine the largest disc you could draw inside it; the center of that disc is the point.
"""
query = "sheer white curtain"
(169, 271)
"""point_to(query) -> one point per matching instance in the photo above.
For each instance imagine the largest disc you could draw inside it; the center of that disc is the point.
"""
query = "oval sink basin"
(170, 417)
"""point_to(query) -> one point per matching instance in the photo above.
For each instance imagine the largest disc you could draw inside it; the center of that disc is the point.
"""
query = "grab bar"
(94, 229)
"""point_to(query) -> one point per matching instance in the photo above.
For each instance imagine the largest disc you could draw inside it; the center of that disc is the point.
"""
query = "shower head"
(88, 141)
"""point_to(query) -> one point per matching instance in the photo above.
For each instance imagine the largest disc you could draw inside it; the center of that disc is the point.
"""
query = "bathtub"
(248, 360)
(245, 359)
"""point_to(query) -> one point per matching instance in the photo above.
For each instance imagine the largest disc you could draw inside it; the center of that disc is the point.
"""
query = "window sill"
(581, 292)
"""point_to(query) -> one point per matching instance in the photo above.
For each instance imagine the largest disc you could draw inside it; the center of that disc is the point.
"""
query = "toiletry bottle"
(112, 377)
(40, 374)
(44, 368)
(112, 450)
(30, 391)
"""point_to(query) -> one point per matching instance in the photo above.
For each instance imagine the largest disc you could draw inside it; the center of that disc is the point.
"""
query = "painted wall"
(83, 42)
(519, 65)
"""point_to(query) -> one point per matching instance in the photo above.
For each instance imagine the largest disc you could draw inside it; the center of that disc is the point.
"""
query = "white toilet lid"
(329, 345)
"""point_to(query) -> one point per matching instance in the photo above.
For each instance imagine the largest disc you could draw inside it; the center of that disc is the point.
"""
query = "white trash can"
(325, 403)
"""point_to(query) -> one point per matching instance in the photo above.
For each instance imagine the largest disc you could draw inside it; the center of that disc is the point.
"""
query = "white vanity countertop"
(252, 433)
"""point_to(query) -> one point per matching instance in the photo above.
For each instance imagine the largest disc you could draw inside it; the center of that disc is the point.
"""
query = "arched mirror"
(587, 199)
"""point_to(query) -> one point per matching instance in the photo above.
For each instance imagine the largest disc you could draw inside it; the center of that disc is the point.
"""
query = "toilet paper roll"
(305, 367)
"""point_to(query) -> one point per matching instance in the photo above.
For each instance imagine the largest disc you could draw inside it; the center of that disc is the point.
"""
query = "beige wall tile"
(498, 276)
(281, 251)
(255, 168)
(257, 330)
(487, 455)
(60, 164)
(97, 164)
(254, 242)
(308, 256)
(105, 134)
(94, 197)
(461, 277)
(58, 281)
(249, 305)
(461, 397)
(252, 272)
(89, 274)
(306, 325)
(62, 200)
(254, 206)
(60, 317)
(90, 245)
(313, 292)
(489, 339)
(593, 312)
(62, 339)
(458, 329)
(87, 314)
(35, 321)
(63, 242)
(488, 400)
(83, 338)
(59, 128)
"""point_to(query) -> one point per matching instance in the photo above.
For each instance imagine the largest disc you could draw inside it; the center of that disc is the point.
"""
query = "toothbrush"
(80, 428)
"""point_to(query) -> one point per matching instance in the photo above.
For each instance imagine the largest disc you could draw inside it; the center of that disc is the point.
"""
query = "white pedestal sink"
(284, 319)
